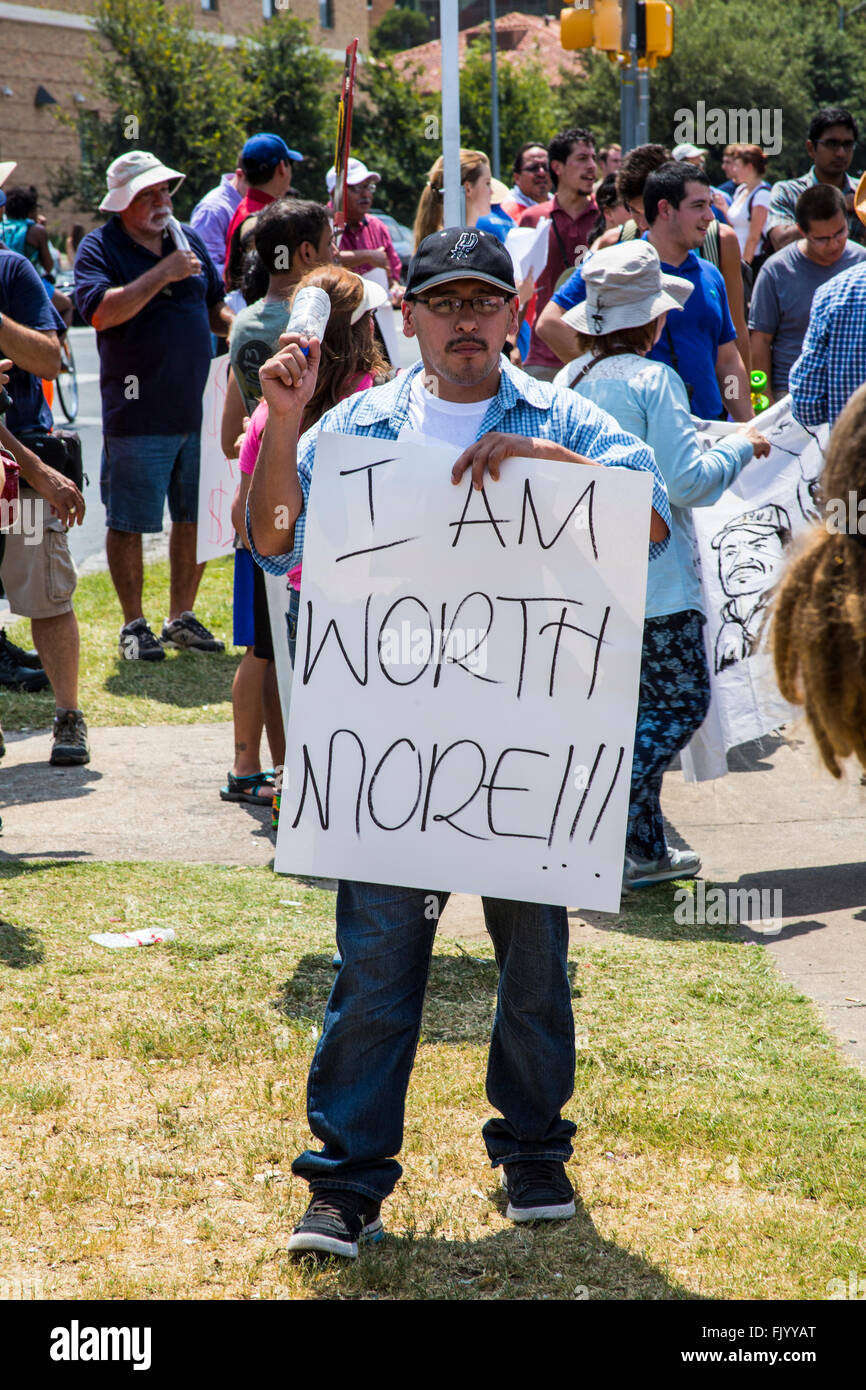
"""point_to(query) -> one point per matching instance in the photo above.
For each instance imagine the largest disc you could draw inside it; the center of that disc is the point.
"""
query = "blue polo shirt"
(23, 298)
(153, 368)
(697, 331)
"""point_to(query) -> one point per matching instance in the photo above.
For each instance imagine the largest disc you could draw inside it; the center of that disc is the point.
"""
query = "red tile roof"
(518, 37)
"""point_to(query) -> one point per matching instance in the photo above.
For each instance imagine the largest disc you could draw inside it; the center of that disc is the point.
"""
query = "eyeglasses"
(484, 306)
(540, 168)
(846, 145)
(826, 240)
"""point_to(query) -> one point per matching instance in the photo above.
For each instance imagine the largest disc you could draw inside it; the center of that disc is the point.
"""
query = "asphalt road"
(87, 542)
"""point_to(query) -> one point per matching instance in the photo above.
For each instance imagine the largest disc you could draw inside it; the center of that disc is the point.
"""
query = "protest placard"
(466, 677)
(218, 476)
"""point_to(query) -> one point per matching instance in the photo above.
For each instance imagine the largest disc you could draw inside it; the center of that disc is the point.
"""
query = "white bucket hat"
(374, 297)
(625, 288)
(132, 173)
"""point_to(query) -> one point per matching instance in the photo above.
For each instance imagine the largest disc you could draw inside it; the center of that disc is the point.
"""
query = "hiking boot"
(335, 1221)
(18, 655)
(70, 747)
(187, 633)
(14, 676)
(676, 863)
(538, 1190)
(138, 643)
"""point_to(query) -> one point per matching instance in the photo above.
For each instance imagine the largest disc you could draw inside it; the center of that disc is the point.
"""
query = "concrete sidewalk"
(777, 822)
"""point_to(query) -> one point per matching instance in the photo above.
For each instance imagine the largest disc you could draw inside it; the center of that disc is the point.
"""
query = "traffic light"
(655, 31)
(595, 24)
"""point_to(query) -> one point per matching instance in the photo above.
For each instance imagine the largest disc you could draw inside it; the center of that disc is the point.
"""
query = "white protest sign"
(466, 677)
(385, 317)
(527, 247)
(279, 593)
(218, 476)
(743, 541)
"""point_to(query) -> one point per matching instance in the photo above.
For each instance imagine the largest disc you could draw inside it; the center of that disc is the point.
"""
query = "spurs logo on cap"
(464, 246)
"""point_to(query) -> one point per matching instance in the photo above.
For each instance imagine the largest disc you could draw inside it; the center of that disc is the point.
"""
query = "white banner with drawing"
(743, 540)
(218, 476)
(466, 677)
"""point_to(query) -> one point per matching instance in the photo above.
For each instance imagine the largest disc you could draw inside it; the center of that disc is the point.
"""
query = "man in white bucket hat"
(151, 291)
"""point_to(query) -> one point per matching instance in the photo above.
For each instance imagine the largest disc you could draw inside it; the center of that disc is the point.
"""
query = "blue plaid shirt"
(522, 405)
(832, 363)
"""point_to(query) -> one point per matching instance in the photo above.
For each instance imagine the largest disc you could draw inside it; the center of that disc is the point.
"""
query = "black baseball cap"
(460, 253)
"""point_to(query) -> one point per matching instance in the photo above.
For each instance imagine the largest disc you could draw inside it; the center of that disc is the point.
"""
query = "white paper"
(218, 476)
(385, 317)
(527, 247)
(476, 685)
(279, 593)
(740, 568)
(143, 936)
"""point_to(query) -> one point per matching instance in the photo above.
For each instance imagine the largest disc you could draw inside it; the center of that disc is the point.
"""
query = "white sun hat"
(131, 174)
(625, 287)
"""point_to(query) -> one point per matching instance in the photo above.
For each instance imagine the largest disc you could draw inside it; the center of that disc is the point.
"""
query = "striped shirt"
(833, 362)
(522, 405)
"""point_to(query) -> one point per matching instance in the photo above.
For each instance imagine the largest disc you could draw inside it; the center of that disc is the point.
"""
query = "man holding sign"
(461, 304)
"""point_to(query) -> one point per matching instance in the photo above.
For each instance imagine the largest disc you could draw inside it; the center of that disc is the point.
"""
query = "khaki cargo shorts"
(39, 579)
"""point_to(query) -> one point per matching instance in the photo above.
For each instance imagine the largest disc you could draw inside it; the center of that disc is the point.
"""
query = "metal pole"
(453, 189)
(628, 79)
(494, 93)
(643, 106)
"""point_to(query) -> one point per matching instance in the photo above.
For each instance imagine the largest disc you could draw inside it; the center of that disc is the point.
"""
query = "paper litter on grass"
(144, 936)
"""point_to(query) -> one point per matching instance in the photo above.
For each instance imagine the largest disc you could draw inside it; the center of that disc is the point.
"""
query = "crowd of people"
(659, 294)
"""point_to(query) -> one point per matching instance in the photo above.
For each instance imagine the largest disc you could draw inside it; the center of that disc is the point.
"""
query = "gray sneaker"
(70, 747)
(187, 633)
(676, 863)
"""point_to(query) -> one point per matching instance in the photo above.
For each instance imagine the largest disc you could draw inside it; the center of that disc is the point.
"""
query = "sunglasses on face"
(541, 167)
(483, 305)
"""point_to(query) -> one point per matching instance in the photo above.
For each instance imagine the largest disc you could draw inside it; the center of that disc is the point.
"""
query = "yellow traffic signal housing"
(575, 28)
(655, 30)
(593, 24)
(607, 26)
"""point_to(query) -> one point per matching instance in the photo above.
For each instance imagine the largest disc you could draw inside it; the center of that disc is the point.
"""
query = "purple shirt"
(212, 215)
(370, 235)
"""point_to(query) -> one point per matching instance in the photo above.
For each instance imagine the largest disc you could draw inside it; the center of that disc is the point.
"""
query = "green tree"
(293, 88)
(165, 89)
(525, 109)
(396, 131)
(399, 29)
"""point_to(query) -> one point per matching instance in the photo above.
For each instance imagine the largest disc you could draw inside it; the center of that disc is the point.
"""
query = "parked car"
(401, 237)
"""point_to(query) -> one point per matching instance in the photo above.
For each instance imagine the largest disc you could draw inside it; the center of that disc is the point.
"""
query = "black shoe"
(18, 655)
(17, 677)
(70, 748)
(138, 643)
(538, 1190)
(187, 633)
(335, 1221)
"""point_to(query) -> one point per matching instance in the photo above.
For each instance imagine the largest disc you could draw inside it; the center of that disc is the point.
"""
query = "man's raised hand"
(180, 265)
(288, 379)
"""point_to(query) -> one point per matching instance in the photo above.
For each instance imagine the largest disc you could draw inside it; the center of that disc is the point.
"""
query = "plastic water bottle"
(311, 309)
(760, 400)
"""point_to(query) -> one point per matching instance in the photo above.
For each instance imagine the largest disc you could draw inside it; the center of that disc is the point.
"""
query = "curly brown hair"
(349, 350)
(819, 622)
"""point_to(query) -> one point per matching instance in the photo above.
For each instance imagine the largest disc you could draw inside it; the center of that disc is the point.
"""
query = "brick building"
(44, 45)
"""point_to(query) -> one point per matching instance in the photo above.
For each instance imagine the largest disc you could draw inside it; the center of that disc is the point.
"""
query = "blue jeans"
(140, 470)
(356, 1091)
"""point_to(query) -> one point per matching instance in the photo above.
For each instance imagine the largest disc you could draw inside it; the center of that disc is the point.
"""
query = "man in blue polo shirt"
(149, 288)
(699, 343)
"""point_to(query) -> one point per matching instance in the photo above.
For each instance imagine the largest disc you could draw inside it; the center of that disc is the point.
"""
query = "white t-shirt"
(452, 422)
(739, 214)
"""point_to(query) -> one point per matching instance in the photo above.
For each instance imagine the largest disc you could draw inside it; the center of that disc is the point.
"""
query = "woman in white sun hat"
(627, 302)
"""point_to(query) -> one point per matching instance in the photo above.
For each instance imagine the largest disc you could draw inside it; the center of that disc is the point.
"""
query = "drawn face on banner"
(461, 348)
(750, 557)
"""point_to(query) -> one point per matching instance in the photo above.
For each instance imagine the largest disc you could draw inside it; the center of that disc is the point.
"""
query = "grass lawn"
(151, 1102)
(184, 689)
